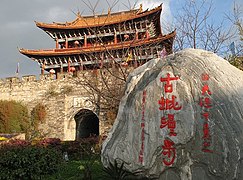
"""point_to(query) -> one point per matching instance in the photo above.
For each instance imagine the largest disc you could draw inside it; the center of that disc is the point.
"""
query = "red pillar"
(42, 69)
(136, 35)
(66, 43)
(147, 34)
(85, 40)
(115, 38)
(57, 45)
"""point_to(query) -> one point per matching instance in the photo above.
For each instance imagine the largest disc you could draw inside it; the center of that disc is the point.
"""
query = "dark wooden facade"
(95, 41)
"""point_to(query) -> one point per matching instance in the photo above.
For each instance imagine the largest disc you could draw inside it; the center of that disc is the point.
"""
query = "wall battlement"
(62, 94)
(32, 78)
(11, 81)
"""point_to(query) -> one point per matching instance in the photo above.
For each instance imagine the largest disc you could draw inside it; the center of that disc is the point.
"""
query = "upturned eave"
(73, 51)
(99, 20)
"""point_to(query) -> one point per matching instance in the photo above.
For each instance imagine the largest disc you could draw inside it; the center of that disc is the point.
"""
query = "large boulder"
(181, 118)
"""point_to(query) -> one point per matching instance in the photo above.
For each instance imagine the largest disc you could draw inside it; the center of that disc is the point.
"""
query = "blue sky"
(18, 29)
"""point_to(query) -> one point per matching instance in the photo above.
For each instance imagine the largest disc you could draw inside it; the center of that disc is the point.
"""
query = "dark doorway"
(87, 124)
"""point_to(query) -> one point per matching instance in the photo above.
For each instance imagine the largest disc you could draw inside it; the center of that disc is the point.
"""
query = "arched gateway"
(87, 124)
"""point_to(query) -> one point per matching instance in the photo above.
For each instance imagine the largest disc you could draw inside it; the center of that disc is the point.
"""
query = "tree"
(105, 88)
(195, 28)
(106, 84)
(236, 18)
(37, 116)
(13, 117)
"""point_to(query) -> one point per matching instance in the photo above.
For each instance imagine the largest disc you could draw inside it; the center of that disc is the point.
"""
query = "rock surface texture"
(181, 118)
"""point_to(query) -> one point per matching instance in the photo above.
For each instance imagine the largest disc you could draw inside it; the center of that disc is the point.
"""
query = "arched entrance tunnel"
(87, 124)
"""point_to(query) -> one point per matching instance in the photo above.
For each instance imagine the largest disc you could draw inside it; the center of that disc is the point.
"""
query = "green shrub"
(13, 144)
(49, 142)
(28, 162)
(236, 61)
(81, 149)
(13, 117)
(76, 170)
(38, 115)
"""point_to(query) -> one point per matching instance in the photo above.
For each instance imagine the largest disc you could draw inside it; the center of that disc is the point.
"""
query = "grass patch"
(74, 170)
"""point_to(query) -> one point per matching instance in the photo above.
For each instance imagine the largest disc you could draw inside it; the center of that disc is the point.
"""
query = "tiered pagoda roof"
(99, 20)
(103, 38)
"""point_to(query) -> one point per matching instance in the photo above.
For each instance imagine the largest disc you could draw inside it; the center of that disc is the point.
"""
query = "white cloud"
(166, 17)
(149, 3)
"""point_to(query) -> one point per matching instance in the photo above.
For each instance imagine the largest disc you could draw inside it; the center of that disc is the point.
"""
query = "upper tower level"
(93, 41)
(86, 28)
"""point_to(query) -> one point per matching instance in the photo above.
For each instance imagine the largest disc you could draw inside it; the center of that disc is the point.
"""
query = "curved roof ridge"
(83, 20)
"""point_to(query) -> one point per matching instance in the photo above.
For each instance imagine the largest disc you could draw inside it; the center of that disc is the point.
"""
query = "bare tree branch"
(195, 28)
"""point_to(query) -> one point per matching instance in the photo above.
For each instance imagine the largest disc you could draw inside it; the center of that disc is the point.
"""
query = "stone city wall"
(63, 98)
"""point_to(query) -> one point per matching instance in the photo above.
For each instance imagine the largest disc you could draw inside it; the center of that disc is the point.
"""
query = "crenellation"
(64, 75)
(12, 80)
(29, 78)
(45, 77)
(32, 83)
(58, 95)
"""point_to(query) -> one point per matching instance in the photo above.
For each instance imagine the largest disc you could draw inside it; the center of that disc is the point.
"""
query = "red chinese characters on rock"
(168, 121)
(205, 103)
(168, 104)
(205, 89)
(170, 151)
(168, 86)
(141, 152)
